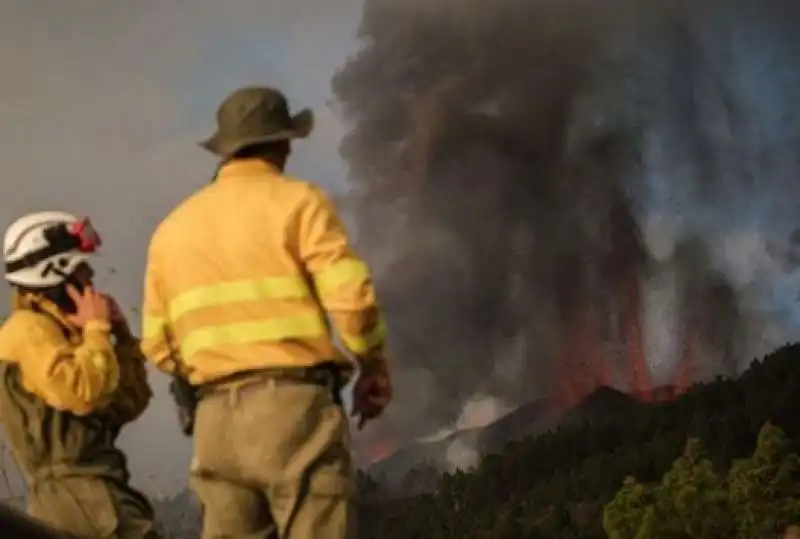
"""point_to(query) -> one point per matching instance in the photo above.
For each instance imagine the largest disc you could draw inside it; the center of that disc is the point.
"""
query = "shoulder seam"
(26, 314)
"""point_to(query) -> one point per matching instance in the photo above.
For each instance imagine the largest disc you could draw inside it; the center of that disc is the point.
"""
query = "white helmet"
(43, 249)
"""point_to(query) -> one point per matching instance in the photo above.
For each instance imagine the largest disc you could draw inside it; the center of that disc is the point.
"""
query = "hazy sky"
(102, 104)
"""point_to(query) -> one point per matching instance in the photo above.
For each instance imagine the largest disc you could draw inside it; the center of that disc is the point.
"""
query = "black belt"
(330, 375)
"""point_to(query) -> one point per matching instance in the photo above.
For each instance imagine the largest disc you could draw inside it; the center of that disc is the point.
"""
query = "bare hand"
(372, 393)
(89, 306)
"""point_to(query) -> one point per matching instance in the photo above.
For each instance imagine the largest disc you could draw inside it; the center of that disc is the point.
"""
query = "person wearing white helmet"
(71, 376)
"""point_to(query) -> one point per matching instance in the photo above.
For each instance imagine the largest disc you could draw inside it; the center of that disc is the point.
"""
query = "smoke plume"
(537, 182)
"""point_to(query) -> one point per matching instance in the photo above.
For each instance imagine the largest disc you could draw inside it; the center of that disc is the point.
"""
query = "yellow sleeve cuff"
(97, 334)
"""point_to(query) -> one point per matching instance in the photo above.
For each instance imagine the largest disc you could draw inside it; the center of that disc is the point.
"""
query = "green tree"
(692, 500)
(764, 488)
(624, 515)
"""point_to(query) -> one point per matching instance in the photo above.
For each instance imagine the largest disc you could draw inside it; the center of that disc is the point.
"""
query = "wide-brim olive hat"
(255, 115)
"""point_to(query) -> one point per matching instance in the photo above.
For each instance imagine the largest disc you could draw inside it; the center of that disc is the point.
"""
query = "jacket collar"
(35, 302)
(247, 168)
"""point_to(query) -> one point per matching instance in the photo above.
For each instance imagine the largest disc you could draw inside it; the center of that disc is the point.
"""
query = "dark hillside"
(565, 476)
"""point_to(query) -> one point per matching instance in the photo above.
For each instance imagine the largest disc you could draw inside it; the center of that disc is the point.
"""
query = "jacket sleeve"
(80, 378)
(158, 344)
(133, 394)
(342, 280)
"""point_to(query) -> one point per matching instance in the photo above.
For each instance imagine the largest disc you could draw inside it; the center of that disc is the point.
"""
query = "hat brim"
(224, 146)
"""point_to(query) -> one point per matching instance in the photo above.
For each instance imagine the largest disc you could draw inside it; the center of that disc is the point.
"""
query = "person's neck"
(277, 161)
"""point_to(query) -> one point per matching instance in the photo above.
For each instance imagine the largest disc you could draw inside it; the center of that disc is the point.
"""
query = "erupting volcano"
(507, 162)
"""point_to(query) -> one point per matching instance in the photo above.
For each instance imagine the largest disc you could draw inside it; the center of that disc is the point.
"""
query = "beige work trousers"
(90, 507)
(272, 460)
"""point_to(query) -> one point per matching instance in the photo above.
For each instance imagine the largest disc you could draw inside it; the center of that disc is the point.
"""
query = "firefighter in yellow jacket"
(239, 280)
(71, 376)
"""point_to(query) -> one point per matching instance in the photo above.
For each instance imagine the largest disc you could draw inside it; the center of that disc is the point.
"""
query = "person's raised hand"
(89, 305)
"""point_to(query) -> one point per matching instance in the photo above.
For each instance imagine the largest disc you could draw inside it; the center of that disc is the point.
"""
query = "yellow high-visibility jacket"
(70, 370)
(240, 277)
(133, 393)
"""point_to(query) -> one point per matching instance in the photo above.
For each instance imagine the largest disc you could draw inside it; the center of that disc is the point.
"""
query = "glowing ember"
(685, 372)
(633, 337)
(379, 450)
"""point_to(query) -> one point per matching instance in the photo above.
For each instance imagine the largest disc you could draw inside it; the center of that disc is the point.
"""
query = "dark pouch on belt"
(185, 397)
(330, 376)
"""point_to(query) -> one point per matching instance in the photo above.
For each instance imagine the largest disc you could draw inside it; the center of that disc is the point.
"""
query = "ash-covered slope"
(452, 450)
